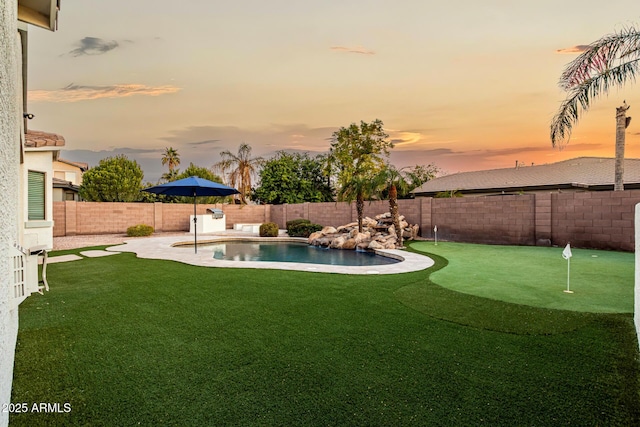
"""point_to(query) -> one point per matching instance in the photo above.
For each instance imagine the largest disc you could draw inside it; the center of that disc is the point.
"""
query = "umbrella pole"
(195, 224)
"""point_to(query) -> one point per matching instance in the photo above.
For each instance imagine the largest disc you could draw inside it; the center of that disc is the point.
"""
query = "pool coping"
(174, 248)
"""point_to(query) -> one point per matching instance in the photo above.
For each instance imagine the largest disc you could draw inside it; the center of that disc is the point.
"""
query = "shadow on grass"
(482, 313)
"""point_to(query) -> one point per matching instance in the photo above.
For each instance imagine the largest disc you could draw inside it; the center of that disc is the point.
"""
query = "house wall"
(37, 233)
(601, 220)
(10, 129)
(61, 169)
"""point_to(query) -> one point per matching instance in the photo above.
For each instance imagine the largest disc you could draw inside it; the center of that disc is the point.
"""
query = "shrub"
(269, 229)
(140, 230)
(297, 221)
(303, 229)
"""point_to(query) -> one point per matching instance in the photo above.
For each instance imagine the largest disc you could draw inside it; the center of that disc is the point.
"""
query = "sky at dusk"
(464, 84)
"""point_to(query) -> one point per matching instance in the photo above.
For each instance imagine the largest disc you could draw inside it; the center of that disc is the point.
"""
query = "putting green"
(601, 281)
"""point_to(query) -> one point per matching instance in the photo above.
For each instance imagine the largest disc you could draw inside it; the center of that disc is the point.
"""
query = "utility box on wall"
(24, 270)
(214, 221)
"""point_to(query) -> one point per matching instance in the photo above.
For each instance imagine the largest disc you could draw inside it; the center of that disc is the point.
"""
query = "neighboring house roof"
(61, 183)
(583, 172)
(81, 165)
(38, 139)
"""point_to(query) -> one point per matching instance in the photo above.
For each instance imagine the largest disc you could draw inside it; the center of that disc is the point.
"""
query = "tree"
(418, 175)
(192, 170)
(611, 61)
(170, 176)
(293, 178)
(115, 179)
(204, 173)
(170, 158)
(358, 153)
(240, 169)
(394, 181)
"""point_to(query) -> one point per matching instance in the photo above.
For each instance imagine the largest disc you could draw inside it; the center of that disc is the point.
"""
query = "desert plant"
(140, 230)
(269, 229)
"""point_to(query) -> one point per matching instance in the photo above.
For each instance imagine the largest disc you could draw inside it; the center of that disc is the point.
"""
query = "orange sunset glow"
(467, 87)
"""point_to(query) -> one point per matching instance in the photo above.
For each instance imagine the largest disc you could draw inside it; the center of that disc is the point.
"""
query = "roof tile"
(587, 171)
(37, 139)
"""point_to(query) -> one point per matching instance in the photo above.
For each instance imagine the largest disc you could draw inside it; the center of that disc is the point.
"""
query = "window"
(36, 196)
(70, 176)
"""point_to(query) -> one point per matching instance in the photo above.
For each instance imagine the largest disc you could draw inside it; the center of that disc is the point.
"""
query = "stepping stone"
(96, 254)
(62, 258)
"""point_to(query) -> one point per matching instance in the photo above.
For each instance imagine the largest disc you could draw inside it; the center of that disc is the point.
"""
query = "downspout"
(25, 44)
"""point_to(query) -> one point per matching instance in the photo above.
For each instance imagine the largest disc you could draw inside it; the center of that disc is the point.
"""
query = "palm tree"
(392, 180)
(170, 176)
(240, 169)
(359, 189)
(611, 61)
(358, 155)
(172, 159)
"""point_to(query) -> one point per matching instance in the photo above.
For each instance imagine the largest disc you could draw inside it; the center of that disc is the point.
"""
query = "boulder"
(378, 233)
(314, 236)
(337, 242)
(322, 241)
(374, 244)
(361, 237)
(391, 230)
(390, 245)
(328, 230)
(349, 244)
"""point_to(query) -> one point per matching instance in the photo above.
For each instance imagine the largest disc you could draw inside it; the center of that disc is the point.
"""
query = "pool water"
(294, 252)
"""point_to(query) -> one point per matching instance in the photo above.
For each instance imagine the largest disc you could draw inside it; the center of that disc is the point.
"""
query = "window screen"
(36, 196)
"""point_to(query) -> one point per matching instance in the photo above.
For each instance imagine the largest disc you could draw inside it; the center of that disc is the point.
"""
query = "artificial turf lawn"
(130, 341)
(602, 281)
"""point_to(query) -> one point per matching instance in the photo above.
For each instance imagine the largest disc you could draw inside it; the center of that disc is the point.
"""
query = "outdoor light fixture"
(28, 116)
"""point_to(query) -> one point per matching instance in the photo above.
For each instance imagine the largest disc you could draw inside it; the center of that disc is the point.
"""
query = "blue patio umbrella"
(193, 187)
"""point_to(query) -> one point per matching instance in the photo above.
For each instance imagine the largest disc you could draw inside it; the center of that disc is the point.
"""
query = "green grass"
(602, 281)
(130, 341)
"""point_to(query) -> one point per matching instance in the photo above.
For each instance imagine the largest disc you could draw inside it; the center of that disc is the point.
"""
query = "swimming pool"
(180, 248)
(294, 252)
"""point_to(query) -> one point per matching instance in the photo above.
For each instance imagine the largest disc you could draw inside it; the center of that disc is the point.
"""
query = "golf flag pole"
(435, 232)
(566, 254)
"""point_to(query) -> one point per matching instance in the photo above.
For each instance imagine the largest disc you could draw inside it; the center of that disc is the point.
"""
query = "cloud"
(574, 49)
(201, 143)
(93, 46)
(76, 93)
(264, 140)
(358, 49)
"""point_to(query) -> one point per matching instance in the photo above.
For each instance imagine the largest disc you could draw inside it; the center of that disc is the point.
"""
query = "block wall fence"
(601, 220)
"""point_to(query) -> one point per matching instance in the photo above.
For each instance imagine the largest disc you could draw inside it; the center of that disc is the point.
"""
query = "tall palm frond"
(240, 169)
(170, 158)
(611, 61)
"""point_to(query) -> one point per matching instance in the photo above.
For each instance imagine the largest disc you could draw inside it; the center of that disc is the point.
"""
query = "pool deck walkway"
(169, 248)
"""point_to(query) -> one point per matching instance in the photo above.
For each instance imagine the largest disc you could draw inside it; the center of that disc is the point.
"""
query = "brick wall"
(97, 218)
(505, 219)
(603, 219)
(71, 218)
(586, 219)
(60, 228)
